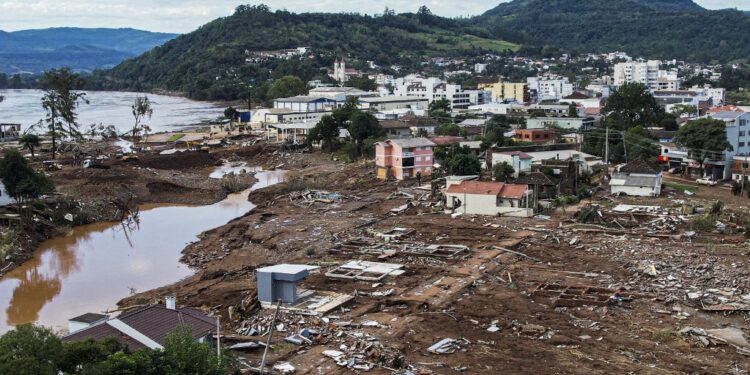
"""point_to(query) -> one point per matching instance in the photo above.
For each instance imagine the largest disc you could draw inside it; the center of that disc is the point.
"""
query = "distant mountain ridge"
(81, 49)
(666, 29)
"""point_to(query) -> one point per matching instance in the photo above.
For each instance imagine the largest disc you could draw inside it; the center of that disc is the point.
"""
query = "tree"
(448, 129)
(287, 86)
(60, 100)
(21, 182)
(30, 350)
(678, 110)
(640, 145)
(502, 172)
(364, 125)
(141, 109)
(184, 355)
(669, 123)
(88, 353)
(702, 138)
(572, 110)
(30, 142)
(440, 105)
(231, 113)
(464, 165)
(325, 131)
(362, 83)
(631, 105)
(424, 14)
(343, 114)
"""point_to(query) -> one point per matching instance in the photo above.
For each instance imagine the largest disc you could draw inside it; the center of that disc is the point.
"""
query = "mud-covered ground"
(489, 298)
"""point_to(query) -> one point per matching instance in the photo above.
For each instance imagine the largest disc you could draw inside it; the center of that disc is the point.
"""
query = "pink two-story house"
(404, 157)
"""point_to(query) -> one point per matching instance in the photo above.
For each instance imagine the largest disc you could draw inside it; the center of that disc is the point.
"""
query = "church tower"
(339, 70)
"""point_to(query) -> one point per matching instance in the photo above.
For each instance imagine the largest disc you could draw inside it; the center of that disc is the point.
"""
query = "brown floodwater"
(94, 266)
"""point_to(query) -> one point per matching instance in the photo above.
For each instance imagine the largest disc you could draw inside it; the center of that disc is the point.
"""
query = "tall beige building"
(502, 91)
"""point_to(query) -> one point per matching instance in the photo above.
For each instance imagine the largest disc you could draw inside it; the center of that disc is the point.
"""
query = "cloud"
(183, 16)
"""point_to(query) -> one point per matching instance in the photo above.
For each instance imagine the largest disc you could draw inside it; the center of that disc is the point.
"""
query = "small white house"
(637, 178)
(489, 198)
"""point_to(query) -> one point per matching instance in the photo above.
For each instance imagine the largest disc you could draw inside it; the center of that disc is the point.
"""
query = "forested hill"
(665, 29)
(211, 61)
(80, 49)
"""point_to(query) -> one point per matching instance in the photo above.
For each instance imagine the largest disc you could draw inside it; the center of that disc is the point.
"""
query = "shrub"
(703, 223)
(717, 208)
(231, 184)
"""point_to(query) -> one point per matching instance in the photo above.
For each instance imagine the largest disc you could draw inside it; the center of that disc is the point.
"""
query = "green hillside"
(209, 63)
(665, 29)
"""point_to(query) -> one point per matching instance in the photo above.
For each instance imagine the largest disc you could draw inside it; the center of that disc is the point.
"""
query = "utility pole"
(218, 339)
(606, 149)
(624, 146)
(270, 334)
(742, 179)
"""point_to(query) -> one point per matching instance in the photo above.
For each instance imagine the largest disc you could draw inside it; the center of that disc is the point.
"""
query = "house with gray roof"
(638, 178)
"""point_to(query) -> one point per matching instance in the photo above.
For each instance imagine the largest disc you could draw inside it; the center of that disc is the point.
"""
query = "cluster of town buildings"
(557, 113)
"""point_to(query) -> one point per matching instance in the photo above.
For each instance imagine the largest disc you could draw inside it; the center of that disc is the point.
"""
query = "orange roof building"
(489, 198)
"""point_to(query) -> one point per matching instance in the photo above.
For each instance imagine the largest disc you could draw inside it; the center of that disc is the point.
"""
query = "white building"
(305, 104)
(550, 87)
(647, 73)
(637, 178)
(433, 88)
(390, 103)
(489, 198)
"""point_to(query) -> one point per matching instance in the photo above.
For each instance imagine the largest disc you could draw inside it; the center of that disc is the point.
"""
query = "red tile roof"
(447, 140)
(726, 108)
(499, 189)
(477, 187)
(513, 191)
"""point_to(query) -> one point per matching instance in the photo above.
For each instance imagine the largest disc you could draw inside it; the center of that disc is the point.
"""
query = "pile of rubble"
(311, 197)
(199, 259)
(355, 347)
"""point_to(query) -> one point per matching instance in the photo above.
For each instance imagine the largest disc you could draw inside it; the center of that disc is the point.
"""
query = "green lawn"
(175, 137)
(680, 187)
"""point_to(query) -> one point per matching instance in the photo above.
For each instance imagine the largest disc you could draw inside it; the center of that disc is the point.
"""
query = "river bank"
(86, 196)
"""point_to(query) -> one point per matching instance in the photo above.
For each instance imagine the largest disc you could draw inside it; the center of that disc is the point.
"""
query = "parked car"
(675, 170)
(708, 181)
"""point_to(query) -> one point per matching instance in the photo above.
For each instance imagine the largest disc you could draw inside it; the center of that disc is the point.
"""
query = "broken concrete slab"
(364, 270)
(444, 346)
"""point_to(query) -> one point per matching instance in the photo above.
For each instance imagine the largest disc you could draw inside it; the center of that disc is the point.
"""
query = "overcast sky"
(180, 16)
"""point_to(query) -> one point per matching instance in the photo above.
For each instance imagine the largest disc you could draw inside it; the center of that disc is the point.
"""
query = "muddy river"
(94, 266)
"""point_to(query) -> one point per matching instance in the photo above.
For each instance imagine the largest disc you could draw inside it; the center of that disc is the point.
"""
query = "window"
(742, 144)
(742, 133)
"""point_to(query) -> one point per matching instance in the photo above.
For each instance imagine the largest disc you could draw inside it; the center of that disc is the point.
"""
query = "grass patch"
(448, 42)
(703, 223)
(175, 137)
(665, 335)
(680, 187)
